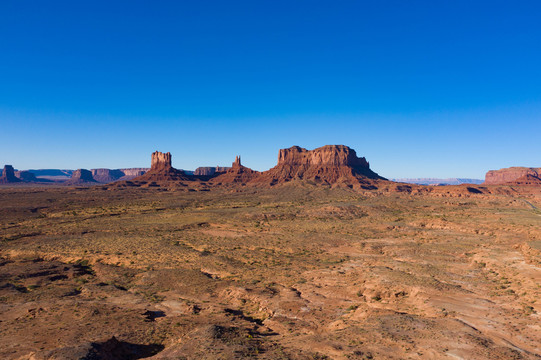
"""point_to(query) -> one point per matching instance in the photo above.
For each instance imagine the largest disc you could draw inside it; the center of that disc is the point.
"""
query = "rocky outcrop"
(329, 155)
(210, 170)
(160, 161)
(527, 179)
(237, 174)
(161, 171)
(8, 176)
(509, 175)
(330, 164)
(81, 177)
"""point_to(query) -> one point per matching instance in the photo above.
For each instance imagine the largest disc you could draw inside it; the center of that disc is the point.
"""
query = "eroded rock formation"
(160, 161)
(161, 171)
(237, 174)
(210, 170)
(328, 155)
(330, 164)
(8, 175)
(81, 177)
(509, 175)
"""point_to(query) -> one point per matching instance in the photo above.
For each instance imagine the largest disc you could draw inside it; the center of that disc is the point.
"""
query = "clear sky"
(420, 88)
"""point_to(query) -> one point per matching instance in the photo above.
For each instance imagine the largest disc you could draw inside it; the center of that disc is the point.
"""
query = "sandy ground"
(296, 272)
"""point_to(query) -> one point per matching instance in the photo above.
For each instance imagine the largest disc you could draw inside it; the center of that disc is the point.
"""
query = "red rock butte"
(8, 175)
(328, 155)
(329, 164)
(160, 161)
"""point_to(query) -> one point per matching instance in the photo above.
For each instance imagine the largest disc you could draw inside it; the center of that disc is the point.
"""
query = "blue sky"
(421, 88)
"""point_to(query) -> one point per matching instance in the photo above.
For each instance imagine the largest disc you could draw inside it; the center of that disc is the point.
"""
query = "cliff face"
(160, 161)
(329, 155)
(511, 174)
(133, 172)
(106, 175)
(330, 164)
(8, 175)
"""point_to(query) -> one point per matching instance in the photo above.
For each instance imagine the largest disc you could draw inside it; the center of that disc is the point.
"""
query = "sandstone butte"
(8, 175)
(330, 164)
(162, 170)
(513, 175)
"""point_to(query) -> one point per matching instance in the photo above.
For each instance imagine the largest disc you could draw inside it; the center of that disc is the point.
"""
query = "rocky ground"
(294, 272)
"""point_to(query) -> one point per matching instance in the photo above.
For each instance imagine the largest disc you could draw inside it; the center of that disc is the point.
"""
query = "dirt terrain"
(299, 271)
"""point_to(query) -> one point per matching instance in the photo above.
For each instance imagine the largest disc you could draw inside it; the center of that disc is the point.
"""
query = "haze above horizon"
(421, 89)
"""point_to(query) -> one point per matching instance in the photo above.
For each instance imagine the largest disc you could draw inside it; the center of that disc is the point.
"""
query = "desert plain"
(297, 271)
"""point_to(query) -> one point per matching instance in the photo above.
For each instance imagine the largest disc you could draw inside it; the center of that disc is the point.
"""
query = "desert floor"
(295, 272)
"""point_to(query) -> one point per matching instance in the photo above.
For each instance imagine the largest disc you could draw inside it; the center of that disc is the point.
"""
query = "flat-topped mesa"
(106, 175)
(8, 175)
(210, 170)
(330, 164)
(328, 155)
(160, 161)
(26, 176)
(80, 177)
(511, 174)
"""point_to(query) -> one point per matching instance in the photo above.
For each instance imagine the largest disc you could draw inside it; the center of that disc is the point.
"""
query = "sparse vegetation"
(272, 273)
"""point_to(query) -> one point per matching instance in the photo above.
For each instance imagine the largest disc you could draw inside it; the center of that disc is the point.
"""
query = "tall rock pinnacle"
(237, 161)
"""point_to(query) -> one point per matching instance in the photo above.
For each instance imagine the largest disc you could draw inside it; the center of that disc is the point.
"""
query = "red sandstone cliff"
(330, 164)
(510, 175)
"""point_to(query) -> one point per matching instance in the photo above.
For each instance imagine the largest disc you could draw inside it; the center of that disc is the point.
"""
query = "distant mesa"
(210, 170)
(106, 175)
(26, 176)
(437, 182)
(8, 176)
(81, 177)
(513, 175)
